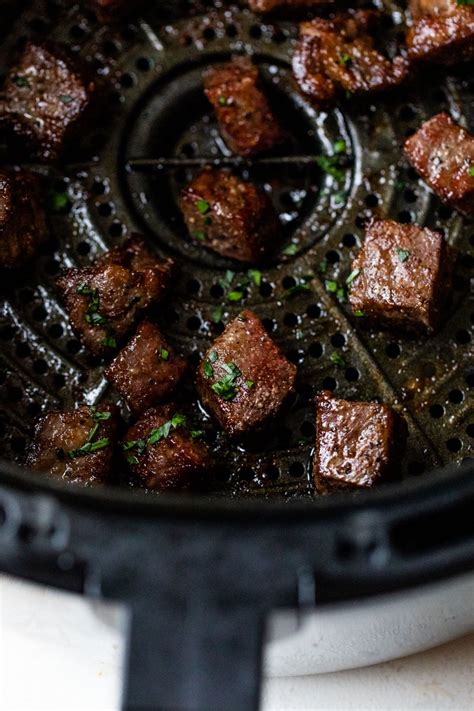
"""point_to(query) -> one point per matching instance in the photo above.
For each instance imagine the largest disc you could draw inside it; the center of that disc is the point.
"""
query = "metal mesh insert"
(150, 72)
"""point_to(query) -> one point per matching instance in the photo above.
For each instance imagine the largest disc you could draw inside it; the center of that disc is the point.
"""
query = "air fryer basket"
(149, 73)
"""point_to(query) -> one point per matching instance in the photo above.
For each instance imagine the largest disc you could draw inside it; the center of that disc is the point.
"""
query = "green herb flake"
(345, 59)
(223, 100)
(471, 171)
(465, 2)
(207, 369)
(213, 356)
(99, 416)
(352, 276)
(330, 165)
(337, 359)
(217, 314)
(22, 82)
(89, 448)
(201, 236)
(164, 354)
(340, 146)
(162, 432)
(290, 250)
(66, 99)
(202, 206)
(59, 201)
(331, 286)
(226, 388)
(323, 266)
(196, 434)
(359, 313)
(341, 294)
(132, 459)
(296, 289)
(255, 275)
(235, 295)
(249, 384)
(403, 254)
(110, 342)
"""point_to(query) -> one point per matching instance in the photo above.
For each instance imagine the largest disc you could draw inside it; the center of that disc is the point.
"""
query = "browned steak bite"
(338, 55)
(22, 219)
(269, 5)
(443, 31)
(246, 121)
(244, 378)
(76, 445)
(42, 99)
(355, 443)
(164, 452)
(443, 154)
(104, 301)
(230, 216)
(147, 370)
(401, 276)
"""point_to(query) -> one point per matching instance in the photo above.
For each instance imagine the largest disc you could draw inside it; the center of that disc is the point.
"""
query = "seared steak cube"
(401, 276)
(443, 32)
(338, 55)
(104, 301)
(443, 154)
(147, 370)
(42, 99)
(164, 452)
(269, 5)
(356, 443)
(244, 378)
(76, 445)
(22, 218)
(245, 118)
(230, 216)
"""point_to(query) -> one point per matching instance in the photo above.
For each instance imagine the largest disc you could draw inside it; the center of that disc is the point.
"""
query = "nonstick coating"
(152, 106)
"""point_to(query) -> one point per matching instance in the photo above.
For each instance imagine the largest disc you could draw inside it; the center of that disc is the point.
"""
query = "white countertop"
(46, 664)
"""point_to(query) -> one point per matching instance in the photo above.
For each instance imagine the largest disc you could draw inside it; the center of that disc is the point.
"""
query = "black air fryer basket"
(201, 573)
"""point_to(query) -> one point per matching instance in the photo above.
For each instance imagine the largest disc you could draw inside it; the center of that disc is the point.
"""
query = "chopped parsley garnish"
(207, 369)
(338, 360)
(203, 206)
(93, 316)
(352, 276)
(66, 99)
(59, 201)
(340, 146)
(235, 295)
(217, 314)
(331, 286)
(255, 275)
(162, 432)
(359, 313)
(22, 82)
(201, 236)
(249, 384)
(323, 266)
(89, 445)
(330, 165)
(345, 59)
(225, 388)
(403, 254)
(100, 416)
(471, 171)
(334, 288)
(296, 289)
(465, 2)
(164, 354)
(223, 100)
(290, 250)
(195, 434)
(213, 356)
(340, 197)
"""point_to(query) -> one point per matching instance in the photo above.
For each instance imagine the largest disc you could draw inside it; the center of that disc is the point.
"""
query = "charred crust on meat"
(43, 98)
(147, 370)
(246, 120)
(402, 276)
(442, 32)
(77, 446)
(104, 301)
(230, 216)
(355, 443)
(244, 378)
(23, 225)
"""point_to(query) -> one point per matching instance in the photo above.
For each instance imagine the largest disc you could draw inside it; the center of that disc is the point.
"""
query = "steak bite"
(22, 218)
(230, 216)
(147, 370)
(442, 32)
(401, 276)
(164, 453)
(269, 5)
(246, 120)
(443, 154)
(244, 378)
(355, 443)
(338, 55)
(104, 301)
(42, 99)
(76, 445)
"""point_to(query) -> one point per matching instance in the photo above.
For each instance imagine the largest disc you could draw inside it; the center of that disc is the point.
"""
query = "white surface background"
(49, 664)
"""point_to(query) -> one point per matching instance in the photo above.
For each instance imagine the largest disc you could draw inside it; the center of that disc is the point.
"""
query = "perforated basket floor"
(150, 74)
